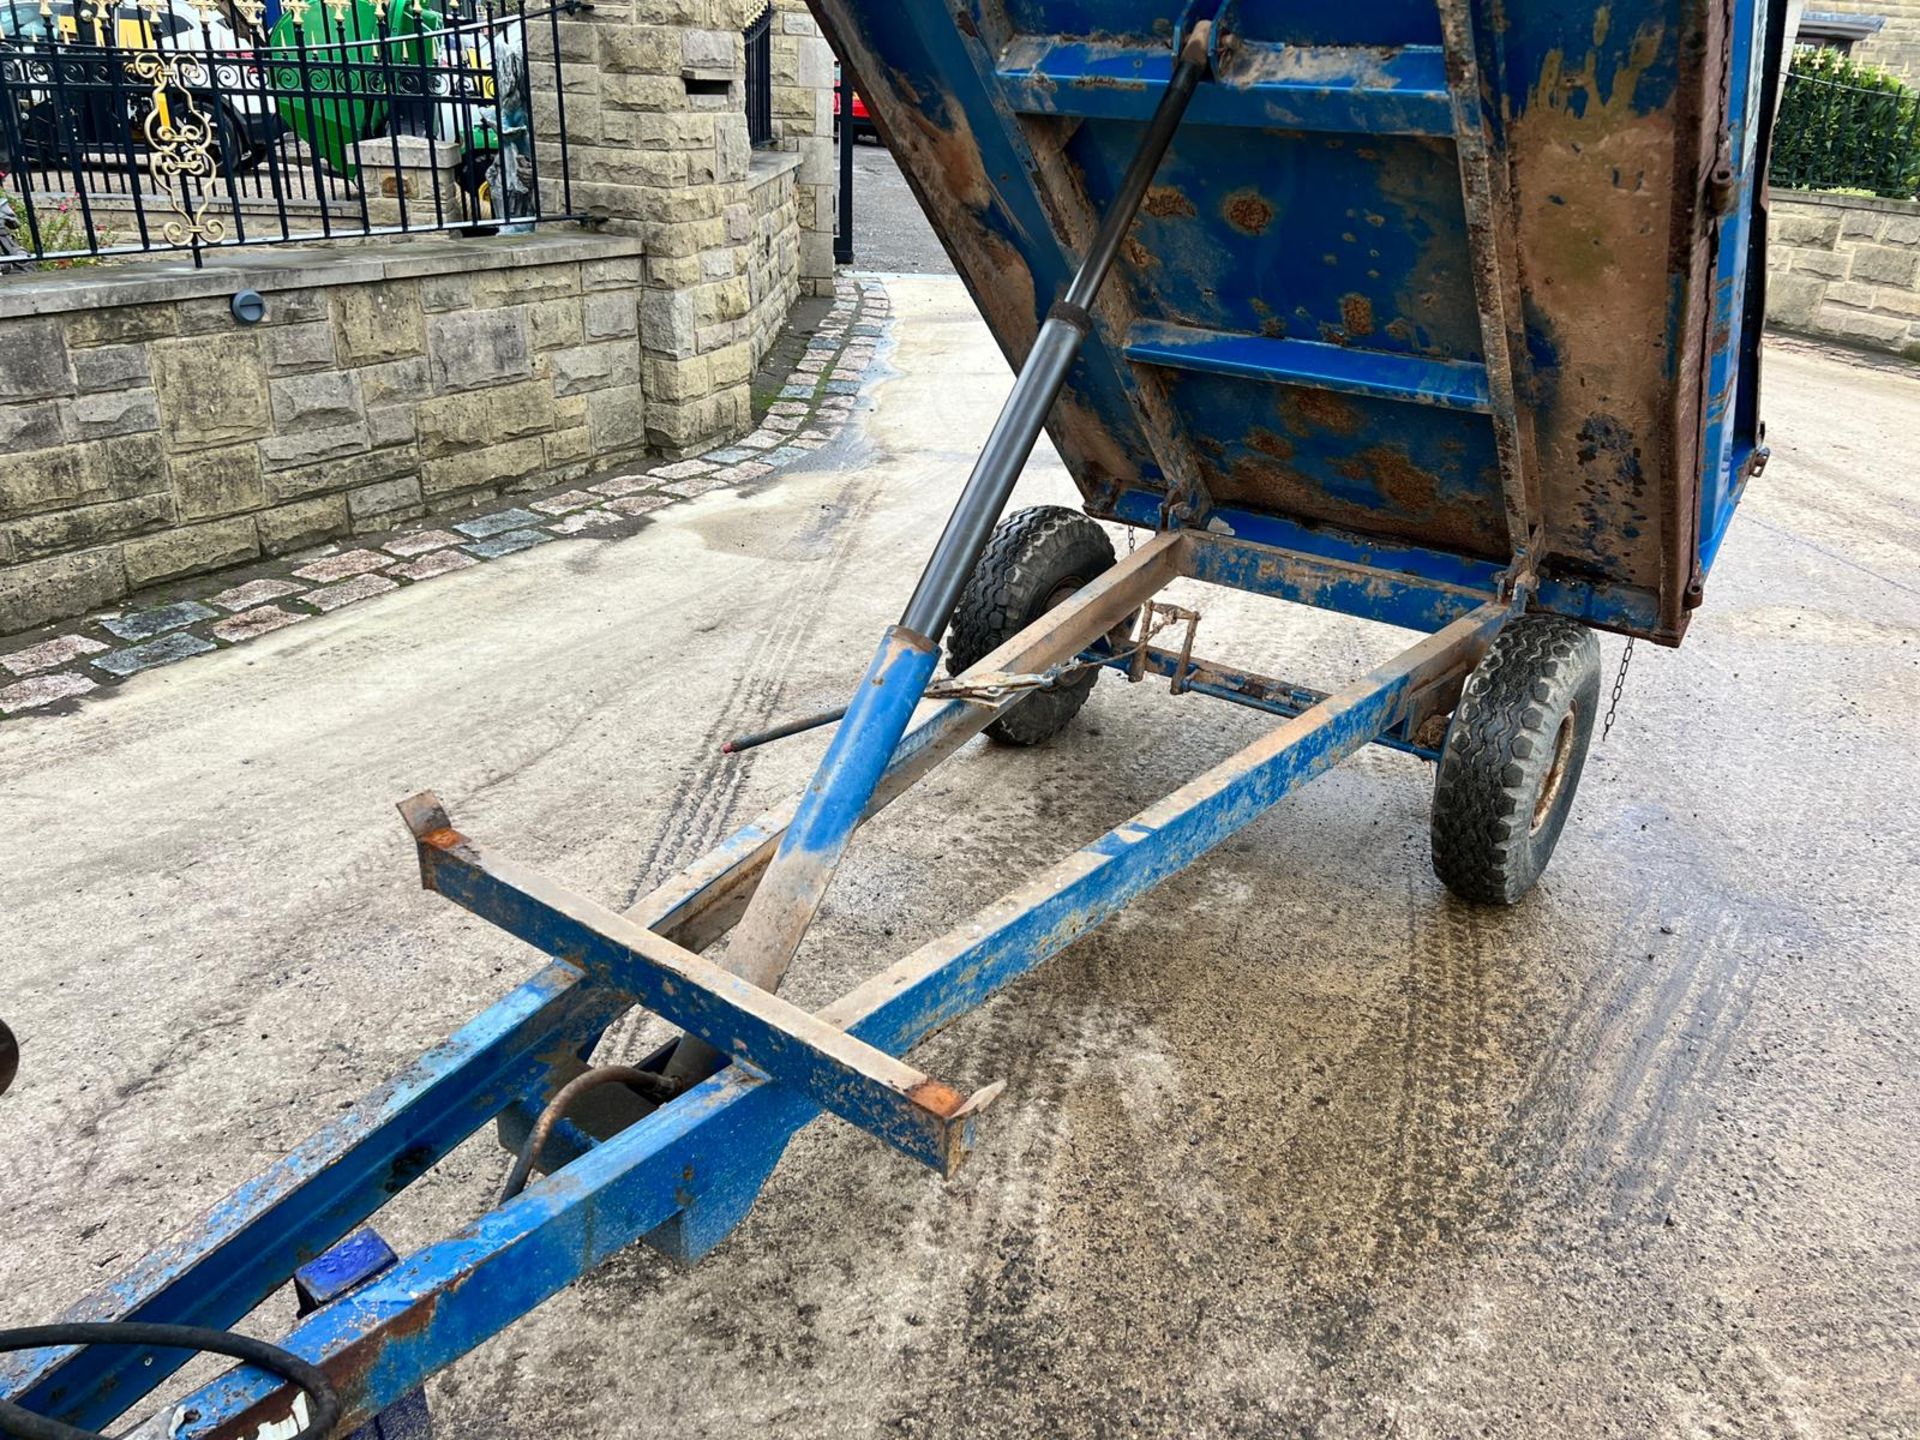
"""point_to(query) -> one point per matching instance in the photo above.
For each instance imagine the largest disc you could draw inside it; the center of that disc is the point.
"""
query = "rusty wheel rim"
(1062, 593)
(1556, 772)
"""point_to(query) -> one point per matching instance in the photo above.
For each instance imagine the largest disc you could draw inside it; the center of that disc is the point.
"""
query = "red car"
(862, 120)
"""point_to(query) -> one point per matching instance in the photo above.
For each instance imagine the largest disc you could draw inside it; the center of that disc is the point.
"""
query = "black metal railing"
(760, 78)
(140, 125)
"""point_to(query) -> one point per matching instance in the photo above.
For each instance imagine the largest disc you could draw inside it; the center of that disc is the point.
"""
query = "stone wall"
(146, 434)
(656, 122)
(773, 253)
(803, 80)
(1846, 268)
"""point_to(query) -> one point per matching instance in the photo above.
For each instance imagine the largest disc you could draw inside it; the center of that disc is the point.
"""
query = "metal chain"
(1619, 684)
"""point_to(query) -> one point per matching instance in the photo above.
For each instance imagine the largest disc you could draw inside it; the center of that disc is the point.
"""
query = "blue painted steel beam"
(1600, 603)
(715, 1144)
(243, 1248)
(384, 1339)
(1405, 585)
(1485, 182)
(1237, 687)
(1450, 384)
(1340, 88)
(931, 1122)
(1368, 585)
(1416, 565)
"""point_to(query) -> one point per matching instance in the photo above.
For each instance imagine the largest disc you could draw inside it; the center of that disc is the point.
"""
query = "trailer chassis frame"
(685, 1175)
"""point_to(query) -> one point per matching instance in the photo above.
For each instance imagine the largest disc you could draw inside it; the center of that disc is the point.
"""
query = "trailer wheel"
(1512, 758)
(1036, 559)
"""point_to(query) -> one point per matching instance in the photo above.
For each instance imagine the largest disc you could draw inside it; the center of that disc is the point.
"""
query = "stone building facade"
(655, 115)
(1892, 42)
(804, 75)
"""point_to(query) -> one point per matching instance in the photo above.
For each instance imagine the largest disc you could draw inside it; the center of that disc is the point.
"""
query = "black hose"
(23, 1424)
(783, 730)
(655, 1087)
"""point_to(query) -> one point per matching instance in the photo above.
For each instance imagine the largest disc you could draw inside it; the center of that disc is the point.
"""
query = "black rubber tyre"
(1512, 758)
(247, 152)
(1037, 558)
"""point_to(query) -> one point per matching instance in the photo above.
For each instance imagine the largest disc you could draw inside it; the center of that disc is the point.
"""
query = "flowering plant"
(62, 227)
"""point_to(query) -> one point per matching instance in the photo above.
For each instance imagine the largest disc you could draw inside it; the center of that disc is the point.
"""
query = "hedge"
(1846, 126)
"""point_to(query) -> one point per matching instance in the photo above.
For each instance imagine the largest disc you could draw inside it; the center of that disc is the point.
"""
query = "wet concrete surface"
(891, 233)
(1295, 1146)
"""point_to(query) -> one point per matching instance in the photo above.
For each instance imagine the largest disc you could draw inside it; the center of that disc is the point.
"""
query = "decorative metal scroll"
(180, 139)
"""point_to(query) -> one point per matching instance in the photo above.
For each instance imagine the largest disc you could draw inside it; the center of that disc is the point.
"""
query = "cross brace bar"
(912, 1112)
(1191, 673)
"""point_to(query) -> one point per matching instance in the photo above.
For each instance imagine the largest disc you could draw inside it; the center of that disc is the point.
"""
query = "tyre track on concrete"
(995, 1254)
(1607, 1129)
(1546, 1106)
(1657, 1155)
(1435, 1194)
(705, 805)
(1633, 1069)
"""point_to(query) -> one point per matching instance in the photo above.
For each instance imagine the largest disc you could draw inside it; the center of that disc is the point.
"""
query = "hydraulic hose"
(323, 1405)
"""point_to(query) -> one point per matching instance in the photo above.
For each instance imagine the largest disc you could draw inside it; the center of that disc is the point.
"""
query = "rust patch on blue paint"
(1306, 410)
(1248, 211)
(1164, 202)
(1267, 443)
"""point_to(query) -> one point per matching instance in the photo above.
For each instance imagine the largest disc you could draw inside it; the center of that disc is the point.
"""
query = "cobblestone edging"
(61, 665)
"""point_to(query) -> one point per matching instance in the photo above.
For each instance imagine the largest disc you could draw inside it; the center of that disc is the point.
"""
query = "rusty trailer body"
(1438, 312)
(1420, 285)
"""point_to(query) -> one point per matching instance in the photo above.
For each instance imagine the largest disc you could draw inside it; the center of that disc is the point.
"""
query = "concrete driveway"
(890, 230)
(1296, 1146)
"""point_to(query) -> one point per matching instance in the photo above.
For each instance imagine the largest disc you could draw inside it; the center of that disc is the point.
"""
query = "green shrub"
(1846, 126)
(62, 227)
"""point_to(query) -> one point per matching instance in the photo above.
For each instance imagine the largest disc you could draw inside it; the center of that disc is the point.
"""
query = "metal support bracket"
(1496, 283)
(356, 1261)
(913, 1112)
(1156, 616)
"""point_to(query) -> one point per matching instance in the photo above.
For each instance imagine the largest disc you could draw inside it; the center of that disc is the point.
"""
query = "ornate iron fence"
(139, 125)
(759, 35)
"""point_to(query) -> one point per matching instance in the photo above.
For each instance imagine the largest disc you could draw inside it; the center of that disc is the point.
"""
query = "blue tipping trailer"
(1439, 312)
